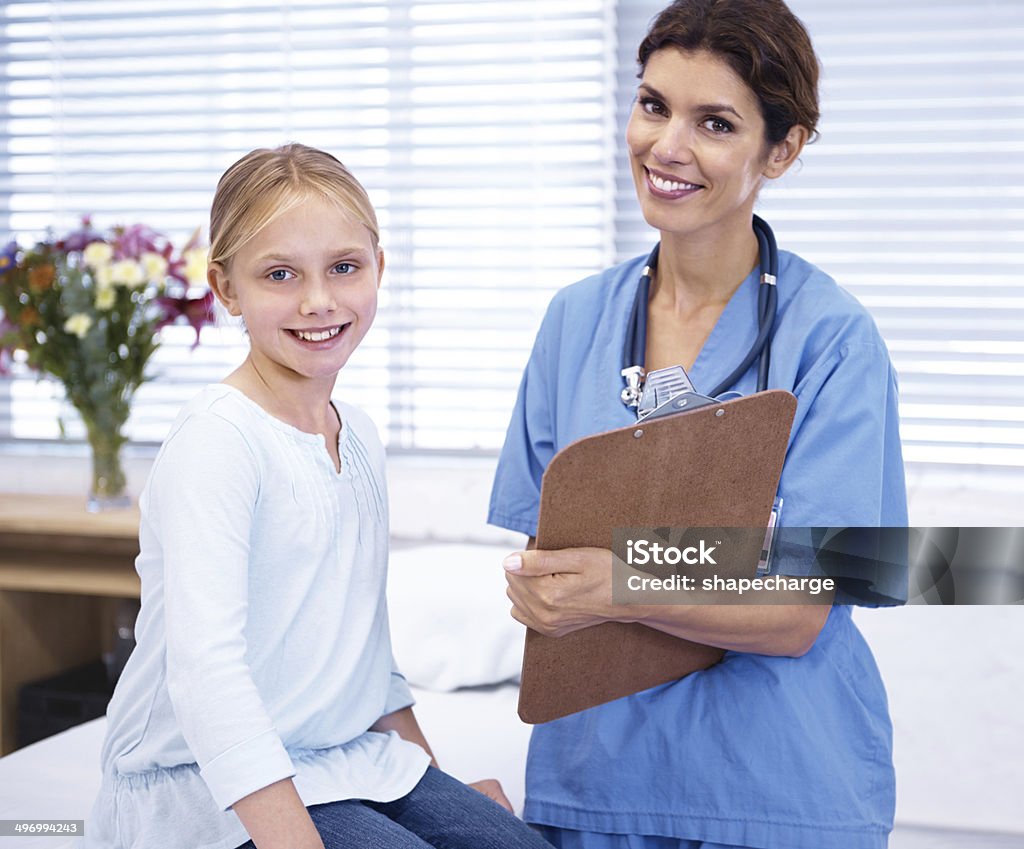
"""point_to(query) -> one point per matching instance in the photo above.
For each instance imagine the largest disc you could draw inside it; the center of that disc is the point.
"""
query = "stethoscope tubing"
(635, 349)
(635, 346)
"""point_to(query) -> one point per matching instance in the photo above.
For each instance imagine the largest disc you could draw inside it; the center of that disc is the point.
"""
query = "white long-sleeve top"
(263, 647)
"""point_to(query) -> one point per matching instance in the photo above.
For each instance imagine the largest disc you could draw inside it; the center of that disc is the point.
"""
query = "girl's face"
(306, 286)
(696, 144)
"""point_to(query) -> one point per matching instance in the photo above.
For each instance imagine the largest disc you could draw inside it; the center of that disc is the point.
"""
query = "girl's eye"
(344, 268)
(652, 106)
(279, 275)
(718, 125)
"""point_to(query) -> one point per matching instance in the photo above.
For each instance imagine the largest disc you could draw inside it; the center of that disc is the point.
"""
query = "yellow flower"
(78, 324)
(97, 254)
(195, 266)
(105, 297)
(127, 272)
(154, 266)
(104, 277)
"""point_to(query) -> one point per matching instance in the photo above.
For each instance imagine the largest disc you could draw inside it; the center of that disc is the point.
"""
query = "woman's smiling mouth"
(663, 186)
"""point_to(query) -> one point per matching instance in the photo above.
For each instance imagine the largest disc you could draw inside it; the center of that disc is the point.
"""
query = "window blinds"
(482, 131)
(913, 199)
(490, 138)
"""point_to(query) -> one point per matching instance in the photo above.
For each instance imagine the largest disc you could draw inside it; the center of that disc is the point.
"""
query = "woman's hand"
(558, 592)
(491, 788)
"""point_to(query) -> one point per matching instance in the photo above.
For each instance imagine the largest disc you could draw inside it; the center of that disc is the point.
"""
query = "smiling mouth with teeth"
(318, 335)
(670, 185)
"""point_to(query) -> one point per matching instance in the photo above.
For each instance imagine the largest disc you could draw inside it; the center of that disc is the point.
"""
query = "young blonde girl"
(262, 702)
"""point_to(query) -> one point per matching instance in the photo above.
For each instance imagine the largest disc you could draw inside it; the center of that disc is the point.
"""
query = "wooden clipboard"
(717, 466)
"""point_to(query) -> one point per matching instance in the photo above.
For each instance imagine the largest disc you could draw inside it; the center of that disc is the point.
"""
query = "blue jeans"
(439, 812)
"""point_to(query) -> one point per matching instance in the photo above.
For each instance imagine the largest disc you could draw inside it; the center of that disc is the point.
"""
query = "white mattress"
(475, 733)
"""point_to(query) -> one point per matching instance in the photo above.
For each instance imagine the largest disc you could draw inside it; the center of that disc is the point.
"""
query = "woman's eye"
(652, 106)
(718, 125)
(344, 268)
(279, 275)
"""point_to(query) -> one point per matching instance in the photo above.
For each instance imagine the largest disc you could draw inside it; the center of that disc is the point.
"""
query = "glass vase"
(109, 490)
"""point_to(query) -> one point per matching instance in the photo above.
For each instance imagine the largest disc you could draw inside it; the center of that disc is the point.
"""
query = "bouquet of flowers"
(87, 309)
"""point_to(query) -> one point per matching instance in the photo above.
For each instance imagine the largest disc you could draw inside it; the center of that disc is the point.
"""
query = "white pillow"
(450, 622)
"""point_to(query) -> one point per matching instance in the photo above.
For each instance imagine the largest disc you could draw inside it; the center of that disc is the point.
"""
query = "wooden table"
(62, 573)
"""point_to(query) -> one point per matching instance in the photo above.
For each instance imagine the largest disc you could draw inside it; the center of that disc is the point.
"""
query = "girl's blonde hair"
(266, 183)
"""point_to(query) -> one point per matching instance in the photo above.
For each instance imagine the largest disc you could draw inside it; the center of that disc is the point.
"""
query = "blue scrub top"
(756, 751)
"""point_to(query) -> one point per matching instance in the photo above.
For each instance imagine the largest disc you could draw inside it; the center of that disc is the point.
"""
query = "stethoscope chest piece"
(634, 377)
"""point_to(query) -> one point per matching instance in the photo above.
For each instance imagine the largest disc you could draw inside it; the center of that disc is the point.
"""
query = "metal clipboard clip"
(667, 391)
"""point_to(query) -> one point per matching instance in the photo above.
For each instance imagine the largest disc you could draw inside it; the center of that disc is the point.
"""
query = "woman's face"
(696, 144)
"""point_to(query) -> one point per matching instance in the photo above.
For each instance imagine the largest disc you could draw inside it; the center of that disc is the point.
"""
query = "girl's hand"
(558, 592)
(491, 788)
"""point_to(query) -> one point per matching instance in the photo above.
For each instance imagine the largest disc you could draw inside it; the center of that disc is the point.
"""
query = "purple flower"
(132, 242)
(175, 264)
(76, 240)
(197, 311)
(8, 258)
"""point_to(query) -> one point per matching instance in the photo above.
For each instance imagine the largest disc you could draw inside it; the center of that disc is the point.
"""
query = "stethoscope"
(635, 348)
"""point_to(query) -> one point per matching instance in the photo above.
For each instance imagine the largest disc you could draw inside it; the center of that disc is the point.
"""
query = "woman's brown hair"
(763, 42)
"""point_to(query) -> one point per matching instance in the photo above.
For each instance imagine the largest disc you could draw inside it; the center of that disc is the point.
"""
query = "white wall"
(955, 677)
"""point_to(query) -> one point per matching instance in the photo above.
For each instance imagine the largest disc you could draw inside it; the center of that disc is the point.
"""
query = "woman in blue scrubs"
(787, 743)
